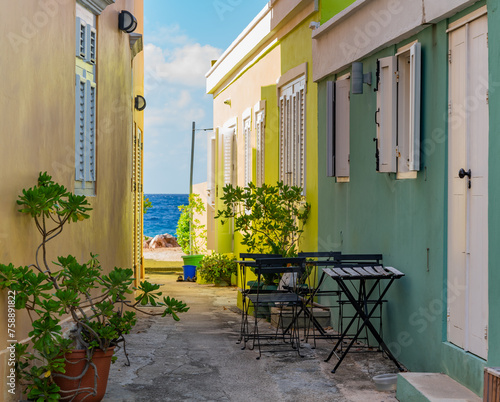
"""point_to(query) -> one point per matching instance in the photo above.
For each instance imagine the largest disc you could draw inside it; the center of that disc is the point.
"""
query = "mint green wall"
(494, 183)
(330, 8)
(406, 220)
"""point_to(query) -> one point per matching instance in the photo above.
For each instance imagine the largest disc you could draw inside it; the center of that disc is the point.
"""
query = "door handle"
(462, 173)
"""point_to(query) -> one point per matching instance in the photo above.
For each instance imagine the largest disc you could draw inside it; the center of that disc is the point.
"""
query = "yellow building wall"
(37, 107)
(244, 93)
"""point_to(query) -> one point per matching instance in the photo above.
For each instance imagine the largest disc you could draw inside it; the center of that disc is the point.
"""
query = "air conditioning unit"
(491, 384)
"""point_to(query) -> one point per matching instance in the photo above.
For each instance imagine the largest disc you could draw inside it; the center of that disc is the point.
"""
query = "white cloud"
(186, 65)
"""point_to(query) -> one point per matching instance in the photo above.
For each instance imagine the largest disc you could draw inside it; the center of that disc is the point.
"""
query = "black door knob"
(462, 173)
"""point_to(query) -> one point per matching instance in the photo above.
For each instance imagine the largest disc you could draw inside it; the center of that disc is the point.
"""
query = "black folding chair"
(285, 299)
(246, 263)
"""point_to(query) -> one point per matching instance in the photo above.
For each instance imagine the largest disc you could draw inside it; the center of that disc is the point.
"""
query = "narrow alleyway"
(197, 359)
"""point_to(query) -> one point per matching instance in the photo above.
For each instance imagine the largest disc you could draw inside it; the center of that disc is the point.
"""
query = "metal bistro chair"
(246, 263)
(286, 300)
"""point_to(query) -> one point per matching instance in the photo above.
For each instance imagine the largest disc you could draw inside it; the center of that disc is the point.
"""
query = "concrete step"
(433, 387)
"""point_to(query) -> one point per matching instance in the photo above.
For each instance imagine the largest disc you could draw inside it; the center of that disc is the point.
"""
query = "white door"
(468, 193)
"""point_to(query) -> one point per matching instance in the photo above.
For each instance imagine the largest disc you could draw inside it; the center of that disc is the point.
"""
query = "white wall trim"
(96, 6)
(246, 114)
(467, 19)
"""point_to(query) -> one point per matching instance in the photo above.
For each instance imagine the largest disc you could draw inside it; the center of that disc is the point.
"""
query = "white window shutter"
(211, 170)
(80, 110)
(90, 134)
(301, 149)
(81, 38)
(283, 115)
(247, 132)
(414, 103)
(386, 115)
(260, 132)
(228, 156)
(342, 128)
(330, 129)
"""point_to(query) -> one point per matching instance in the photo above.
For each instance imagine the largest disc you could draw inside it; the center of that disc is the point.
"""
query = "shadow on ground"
(197, 359)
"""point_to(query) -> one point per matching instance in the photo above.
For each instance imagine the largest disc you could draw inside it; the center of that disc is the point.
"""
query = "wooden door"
(468, 193)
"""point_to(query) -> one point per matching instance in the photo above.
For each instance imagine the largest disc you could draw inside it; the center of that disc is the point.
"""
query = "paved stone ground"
(197, 359)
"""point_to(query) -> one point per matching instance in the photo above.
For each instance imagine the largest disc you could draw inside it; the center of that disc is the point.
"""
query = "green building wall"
(406, 220)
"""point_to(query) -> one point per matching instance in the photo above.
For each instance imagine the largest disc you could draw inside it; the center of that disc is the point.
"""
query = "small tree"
(191, 234)
(270, 218)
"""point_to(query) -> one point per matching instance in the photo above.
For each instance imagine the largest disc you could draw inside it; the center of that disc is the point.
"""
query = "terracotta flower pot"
(84, 387)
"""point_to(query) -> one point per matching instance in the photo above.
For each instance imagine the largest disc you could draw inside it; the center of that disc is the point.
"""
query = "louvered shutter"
(414, 104)
(90, 131)
(260, 131)
(81, 38)
(330, 129)
(342, 128)
(248, 150)
(282, 111)
(92, 45)
(80, 111)
(228, 156)
(301, 138)
(211, 170)
(387, 115)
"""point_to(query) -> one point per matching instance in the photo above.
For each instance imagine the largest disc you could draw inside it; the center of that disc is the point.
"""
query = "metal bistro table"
(342, 274)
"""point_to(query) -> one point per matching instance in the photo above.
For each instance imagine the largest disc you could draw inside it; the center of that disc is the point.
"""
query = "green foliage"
(215, 268)
(98, 303)
(146, 205)
(190, 230)
(270, 218)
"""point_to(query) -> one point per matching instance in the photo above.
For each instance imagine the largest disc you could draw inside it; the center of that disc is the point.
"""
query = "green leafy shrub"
(271, 219)
(99, 304)
(191, 234)
(216, 268)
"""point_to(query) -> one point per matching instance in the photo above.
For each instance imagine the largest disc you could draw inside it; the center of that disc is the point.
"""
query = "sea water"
(162, 217)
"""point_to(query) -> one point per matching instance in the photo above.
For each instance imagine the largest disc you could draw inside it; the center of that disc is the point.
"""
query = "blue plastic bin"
(189, 271)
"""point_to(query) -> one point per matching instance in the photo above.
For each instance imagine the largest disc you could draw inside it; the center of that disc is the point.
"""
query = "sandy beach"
(163, 254)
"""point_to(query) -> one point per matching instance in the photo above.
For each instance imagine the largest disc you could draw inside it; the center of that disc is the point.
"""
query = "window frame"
(292, 106)
(399, 112)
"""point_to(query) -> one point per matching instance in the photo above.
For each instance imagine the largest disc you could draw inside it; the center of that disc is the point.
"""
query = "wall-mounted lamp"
(140, 103)
(127, 22)
(358, 78)
(227, 102)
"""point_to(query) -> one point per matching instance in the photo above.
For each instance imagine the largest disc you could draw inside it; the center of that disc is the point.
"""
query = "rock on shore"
(160, 241)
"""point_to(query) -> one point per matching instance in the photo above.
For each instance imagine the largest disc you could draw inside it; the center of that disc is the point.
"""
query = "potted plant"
(218, 269)
(191, 234)
(66, 365)
(270, 218)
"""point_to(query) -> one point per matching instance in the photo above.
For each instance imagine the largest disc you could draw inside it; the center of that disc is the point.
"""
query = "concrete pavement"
(197, 359)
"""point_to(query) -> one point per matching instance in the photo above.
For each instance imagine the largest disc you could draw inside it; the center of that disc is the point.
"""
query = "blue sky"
(180, 40)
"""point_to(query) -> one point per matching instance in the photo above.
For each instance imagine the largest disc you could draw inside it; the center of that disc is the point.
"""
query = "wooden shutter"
(342, 128)
(92, 45)
(80, 111)
(283, 114)
(414, 104)
(247, 133)
(260, 132)
(81, 38)
(228, 156)
(330, 129)
(90, 137)
(387, 115)
(301, 138)
(211, 170)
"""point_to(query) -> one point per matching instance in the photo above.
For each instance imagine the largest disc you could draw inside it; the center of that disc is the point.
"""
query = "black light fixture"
(140, 103)
(127, 22)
